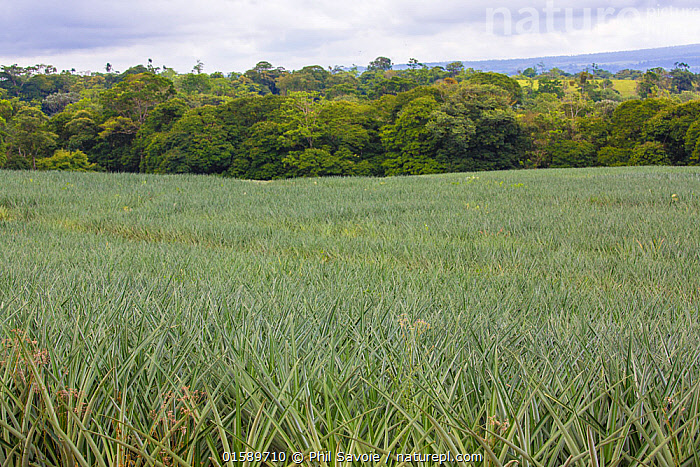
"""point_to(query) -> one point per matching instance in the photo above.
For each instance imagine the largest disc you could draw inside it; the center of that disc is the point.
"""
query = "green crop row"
(537, 318)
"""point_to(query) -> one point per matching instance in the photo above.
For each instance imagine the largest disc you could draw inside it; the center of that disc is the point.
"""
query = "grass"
(535, 318)
(626, 87)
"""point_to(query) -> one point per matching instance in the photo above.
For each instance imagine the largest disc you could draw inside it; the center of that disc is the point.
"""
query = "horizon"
(397, 66)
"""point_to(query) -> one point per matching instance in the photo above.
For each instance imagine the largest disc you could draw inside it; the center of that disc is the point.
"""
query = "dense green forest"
(272, 123)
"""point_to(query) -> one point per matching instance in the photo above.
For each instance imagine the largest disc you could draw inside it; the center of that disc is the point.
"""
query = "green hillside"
(544, 317)
(626, 87)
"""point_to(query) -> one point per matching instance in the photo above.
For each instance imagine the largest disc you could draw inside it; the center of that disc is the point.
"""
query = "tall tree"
(411, 146)
(136, 95)
(628, 120)
(510, 85)
(454, 68)
(476, 129)
(28, 137)
(670, 128)
(266, 76)
(198, 142)
(128, 104)
(5, 114)
(381, 64)
(308, 79)
(300, 119)
(682, 79)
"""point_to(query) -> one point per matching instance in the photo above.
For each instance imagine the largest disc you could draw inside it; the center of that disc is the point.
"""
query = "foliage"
(682, 79)
(260, 153)
(32, 82)
(410, 145)
(13, 161)
(195, 83)
(477, 130)
(342, 85)
(629, 118)
(613, 157)
(313, 162)
(454, 68)
(670, 128)
(384, 121)
(27, 136)
(154, 131)
(76, 161)
(5, 115)
(568, 153)
(81, 131)
(649, 153)
(136, 95)
(300, 119)
(380, 64)
(627, 74)
(345, 125)
(256, 133)
(113, 149)
(546, 85)
(266, 76)
(58, 101)
(692, 143)
(308, 79)
(530, 72)
(197, 143)
(652, 82)
(536, 316)
(510, 85)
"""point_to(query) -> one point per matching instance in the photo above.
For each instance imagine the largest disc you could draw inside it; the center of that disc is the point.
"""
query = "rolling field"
(530, 318)
(626, 87)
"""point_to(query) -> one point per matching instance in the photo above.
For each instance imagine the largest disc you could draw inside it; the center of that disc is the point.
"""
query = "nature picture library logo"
(559, 17)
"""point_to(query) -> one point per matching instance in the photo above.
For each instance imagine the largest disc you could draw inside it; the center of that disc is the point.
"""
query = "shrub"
(76, 161)
(16, 162)
(692, 143)
(569, 153)
(649, 153)
(613, 157)
(319, 162)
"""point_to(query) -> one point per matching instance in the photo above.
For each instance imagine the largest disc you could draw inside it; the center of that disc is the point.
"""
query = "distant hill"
(643, 59)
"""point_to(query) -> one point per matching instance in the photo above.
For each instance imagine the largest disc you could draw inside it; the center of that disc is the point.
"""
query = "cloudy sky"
(233, 35)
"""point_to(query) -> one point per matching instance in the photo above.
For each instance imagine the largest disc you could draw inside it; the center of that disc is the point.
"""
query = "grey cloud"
(232, 34)
(34, 26)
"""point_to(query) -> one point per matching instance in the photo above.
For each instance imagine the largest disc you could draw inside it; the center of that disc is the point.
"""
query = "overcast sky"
(233, 35)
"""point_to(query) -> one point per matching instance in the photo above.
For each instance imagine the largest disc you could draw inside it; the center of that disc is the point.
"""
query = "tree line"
(272, 123)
